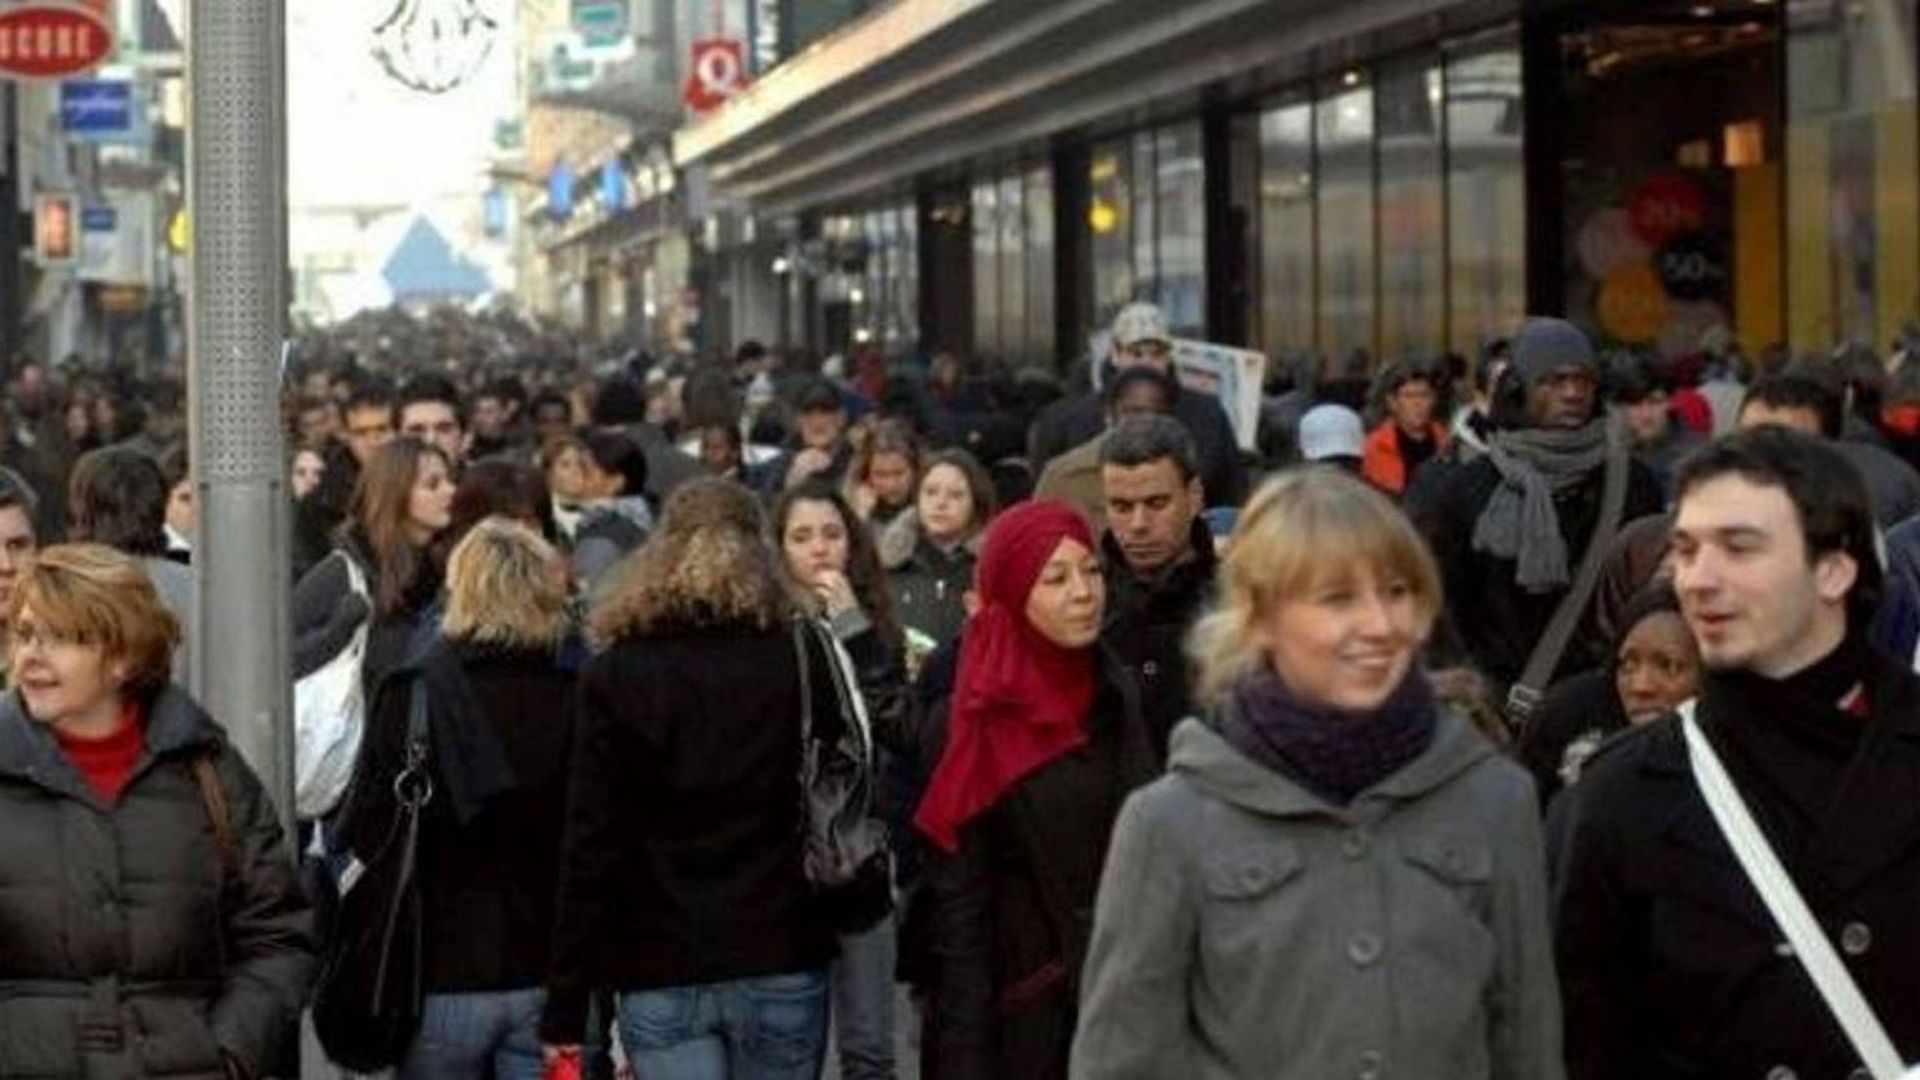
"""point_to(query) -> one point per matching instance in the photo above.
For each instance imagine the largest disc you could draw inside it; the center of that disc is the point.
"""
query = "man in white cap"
(1141, 339)
(1332, 435)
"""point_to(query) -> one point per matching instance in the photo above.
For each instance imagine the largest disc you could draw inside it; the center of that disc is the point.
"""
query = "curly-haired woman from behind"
(681, 884)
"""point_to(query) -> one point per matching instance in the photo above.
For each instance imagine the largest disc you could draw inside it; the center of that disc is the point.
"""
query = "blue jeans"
(772, 1027)
(491, 1033)
(863, 1003)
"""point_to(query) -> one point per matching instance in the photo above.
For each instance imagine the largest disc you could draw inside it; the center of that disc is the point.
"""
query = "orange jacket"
(1381, 462)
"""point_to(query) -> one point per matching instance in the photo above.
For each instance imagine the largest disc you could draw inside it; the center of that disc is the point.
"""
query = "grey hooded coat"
(1246, 927)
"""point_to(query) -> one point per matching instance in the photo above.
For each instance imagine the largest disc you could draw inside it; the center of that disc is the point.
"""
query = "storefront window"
(1286, 284)
(1180, 206)
(1013, 276)
(1486, 194)
(905, 339)
(1146, 264)
(1853, 227)
(1110, 229)
(986, 269)
(1040, 276)
(1343, 123)
(1413, 288)
(1671, 200)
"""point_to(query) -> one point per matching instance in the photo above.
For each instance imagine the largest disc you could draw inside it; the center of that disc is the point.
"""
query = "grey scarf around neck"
(1519, 521)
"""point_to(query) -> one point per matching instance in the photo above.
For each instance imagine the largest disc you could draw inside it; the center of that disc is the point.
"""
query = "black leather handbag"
(367, 1000)
(846, 855)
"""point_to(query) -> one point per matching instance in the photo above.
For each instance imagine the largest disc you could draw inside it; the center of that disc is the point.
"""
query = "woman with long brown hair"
(404, 500)
(682, 887)
(828, 556)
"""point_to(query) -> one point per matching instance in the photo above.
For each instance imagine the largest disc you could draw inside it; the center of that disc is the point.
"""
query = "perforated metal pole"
(236, 320)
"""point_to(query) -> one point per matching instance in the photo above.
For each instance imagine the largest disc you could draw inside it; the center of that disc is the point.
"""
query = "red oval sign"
(49, 41)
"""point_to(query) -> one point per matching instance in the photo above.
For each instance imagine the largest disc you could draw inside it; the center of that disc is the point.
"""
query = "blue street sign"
(613, 186)
(98, 217)
(560, 191)
(97, 108)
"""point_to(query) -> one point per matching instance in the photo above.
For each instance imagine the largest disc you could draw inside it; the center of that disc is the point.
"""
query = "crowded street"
(960, 539)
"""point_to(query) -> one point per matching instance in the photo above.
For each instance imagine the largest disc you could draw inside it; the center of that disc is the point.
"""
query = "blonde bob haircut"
(506, 587)
(95, 595)
(1302, 529)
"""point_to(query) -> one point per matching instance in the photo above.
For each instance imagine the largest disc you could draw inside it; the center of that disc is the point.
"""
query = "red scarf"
(1020, 700)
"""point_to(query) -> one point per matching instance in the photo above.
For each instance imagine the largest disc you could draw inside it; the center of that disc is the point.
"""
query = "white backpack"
(329, 715)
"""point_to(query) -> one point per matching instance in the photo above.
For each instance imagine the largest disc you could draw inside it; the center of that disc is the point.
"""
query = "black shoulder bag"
(845, 851)
(367, 1000)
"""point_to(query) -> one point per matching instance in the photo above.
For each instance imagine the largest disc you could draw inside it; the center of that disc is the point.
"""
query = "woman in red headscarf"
(1045, 738)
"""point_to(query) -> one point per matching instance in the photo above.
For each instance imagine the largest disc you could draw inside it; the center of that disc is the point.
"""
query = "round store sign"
(51, 41)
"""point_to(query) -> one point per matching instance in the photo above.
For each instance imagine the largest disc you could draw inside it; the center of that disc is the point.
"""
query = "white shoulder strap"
(356, 578)
(1789, 910)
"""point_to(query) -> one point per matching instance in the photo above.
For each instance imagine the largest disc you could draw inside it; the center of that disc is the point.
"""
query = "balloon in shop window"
(1667, 205)
(1694, 267)
(1633, 305)
(1688, 323)
(1607, 242)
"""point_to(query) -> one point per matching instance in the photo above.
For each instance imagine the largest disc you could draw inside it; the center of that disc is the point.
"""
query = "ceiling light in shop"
(1746, 144)
(1703, 11)
(1102, 217)
(1351, 78)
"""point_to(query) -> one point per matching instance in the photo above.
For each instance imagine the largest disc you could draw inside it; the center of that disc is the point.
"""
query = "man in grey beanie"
(1509, 529)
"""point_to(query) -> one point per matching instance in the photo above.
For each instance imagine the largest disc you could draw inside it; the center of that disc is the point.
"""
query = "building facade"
(1319, 177)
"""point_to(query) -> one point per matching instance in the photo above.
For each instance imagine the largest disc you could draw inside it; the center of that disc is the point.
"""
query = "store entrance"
(1670, 147)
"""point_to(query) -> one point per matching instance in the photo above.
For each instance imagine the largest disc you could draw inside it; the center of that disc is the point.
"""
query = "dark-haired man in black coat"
(1672, 966)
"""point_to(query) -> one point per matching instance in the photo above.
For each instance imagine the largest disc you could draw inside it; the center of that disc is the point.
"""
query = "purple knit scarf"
(1335, 754)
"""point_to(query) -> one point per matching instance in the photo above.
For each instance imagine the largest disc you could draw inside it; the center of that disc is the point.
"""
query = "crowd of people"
(1378, 742)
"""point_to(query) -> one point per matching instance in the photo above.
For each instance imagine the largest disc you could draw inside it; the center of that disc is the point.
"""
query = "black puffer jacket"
(128, 947)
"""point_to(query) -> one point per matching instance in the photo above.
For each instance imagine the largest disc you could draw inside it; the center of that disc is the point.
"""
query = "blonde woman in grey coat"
(1337, 877)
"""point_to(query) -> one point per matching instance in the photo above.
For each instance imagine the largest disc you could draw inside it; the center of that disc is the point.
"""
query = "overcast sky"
(358, 137)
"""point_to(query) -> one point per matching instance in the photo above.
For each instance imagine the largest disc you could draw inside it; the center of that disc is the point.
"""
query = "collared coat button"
(1372, 1065)
(1781, 1072)
(1354, 844)
(1364, 949)
(1856, 939)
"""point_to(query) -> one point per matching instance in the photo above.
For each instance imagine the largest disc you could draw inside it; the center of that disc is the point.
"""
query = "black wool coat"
(1147, 625)
(1010, 914)
(1671, 966)
(129, 945)
(487, 870)
(681, 861)
(1492, 623)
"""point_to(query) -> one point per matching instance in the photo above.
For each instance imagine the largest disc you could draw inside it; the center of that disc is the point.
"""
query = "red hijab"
(1020, 700)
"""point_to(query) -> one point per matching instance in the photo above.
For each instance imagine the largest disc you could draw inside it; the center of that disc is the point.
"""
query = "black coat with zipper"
(1009, 915)
(1671, 966)
(130, 947)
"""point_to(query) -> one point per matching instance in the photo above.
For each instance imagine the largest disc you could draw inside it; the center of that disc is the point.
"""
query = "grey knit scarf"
(1520, 522)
